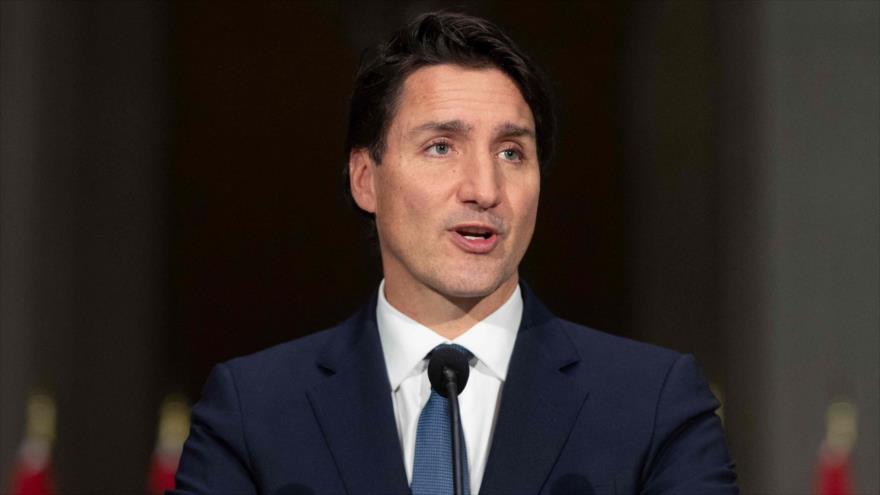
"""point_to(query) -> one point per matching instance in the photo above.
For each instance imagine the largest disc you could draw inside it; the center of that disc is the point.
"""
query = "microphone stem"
(455, 417)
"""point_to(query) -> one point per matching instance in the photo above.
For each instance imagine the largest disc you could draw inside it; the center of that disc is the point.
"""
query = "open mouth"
(475, 239)
(474, 233)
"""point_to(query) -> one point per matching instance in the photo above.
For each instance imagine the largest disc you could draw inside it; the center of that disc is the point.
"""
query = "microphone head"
(450, 359)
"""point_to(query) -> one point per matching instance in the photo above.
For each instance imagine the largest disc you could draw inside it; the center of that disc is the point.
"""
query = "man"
(450, 126)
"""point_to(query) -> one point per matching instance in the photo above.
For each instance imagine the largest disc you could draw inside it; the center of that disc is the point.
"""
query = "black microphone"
(448, 371)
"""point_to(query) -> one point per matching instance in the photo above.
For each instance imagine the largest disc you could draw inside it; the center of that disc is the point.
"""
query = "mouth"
(474, 238)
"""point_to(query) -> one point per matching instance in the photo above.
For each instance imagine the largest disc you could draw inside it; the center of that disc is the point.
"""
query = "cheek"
(527, 203)
(404, 202)
(528, 224)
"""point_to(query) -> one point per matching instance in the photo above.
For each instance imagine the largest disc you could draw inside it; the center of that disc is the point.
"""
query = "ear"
(361, 179)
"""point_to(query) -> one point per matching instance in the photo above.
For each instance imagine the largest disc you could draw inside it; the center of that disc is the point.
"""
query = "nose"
(480, 183)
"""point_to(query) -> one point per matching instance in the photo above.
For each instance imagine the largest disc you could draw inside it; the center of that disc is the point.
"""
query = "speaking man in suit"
(450, 127)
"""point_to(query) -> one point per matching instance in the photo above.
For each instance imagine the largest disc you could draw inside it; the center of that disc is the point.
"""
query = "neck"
(448, 316)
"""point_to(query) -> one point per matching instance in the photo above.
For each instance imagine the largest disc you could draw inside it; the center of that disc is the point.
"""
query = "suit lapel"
(539, 405)
(353, 406)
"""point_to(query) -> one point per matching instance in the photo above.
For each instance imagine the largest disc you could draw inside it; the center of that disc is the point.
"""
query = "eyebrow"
(508, 130)
(504, 130)
(450, 126)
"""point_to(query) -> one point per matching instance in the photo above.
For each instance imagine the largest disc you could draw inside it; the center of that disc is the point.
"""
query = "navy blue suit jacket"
(581, 412)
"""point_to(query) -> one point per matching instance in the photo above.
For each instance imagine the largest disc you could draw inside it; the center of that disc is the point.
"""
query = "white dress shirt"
(406, 343)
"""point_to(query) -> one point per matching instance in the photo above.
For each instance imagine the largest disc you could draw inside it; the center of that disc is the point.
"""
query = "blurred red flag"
(833, 473)
(162, 472)
(30, 479)
(32, 474)
(172, 432)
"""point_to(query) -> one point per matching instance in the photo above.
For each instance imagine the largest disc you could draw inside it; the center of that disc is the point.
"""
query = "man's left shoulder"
(634, 372)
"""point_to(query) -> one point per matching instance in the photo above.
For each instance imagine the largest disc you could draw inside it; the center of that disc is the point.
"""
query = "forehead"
(451, 92)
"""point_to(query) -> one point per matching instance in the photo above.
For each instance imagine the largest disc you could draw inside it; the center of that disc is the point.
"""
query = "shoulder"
(601, 348)
(628, 368)
(600, 355)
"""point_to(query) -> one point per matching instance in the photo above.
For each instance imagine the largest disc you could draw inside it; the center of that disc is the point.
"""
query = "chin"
(471, 285)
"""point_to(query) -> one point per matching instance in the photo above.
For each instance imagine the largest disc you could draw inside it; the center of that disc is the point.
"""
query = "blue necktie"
(432, 466)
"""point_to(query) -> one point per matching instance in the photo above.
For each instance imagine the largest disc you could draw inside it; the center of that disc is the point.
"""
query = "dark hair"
(441, 38)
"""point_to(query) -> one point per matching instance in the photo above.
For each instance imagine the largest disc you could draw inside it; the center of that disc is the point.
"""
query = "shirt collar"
(406, 342)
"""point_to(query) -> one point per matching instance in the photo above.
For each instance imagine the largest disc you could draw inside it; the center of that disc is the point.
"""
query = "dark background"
(171, 178)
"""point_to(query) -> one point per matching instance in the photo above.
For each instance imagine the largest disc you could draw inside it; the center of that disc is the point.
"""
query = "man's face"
(456, 194)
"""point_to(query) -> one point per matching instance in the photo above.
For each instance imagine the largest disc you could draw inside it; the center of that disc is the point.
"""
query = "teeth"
(472, 237)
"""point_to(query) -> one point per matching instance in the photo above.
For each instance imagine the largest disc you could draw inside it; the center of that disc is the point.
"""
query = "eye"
(441, 148)
(511, 155)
